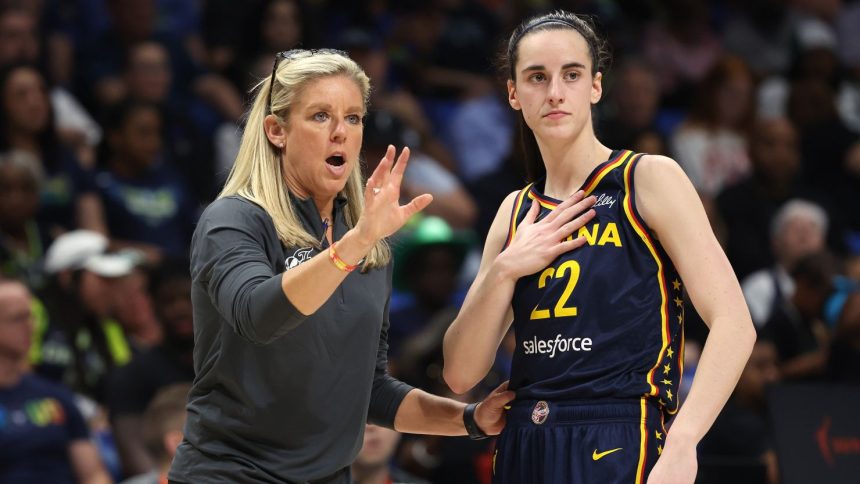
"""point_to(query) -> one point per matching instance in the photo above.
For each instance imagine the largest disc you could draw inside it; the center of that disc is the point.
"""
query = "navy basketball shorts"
(602, 442)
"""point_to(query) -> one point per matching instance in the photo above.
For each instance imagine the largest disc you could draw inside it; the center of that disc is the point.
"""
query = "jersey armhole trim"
(512, 226)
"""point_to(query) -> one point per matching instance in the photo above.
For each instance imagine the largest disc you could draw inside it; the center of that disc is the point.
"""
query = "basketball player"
(599, 329)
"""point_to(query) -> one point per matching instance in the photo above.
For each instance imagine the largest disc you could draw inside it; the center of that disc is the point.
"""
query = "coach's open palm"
(538, 242)
(383, 214)
(490, 414)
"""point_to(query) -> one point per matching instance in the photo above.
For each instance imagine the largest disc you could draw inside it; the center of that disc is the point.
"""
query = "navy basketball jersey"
(604, 321)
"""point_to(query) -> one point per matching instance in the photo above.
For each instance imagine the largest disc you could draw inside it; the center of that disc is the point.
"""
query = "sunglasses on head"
(292, 54)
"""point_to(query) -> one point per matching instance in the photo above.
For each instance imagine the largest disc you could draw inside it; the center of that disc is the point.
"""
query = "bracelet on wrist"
(338, 262)
(472, 428)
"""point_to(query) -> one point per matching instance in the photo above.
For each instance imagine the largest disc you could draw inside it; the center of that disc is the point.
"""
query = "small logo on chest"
(604, 200)
(298, 257)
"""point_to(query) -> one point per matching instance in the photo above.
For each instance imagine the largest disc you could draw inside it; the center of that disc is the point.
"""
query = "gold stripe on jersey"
(512, 230)
(646, 239)
(590, 184)
(622, 156)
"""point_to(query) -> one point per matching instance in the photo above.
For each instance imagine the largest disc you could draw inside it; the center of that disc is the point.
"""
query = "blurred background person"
(161, 431)
(424, 174)
(147, 205)
(747, 208)
(740, 446)
(186, 119)
(81, 341)
(798, 229)
(429, 256)
(372, 465)
(711, 144)
(23, 41)
(26, 123)
(683, 47)
(844, 359)
(22, 242)
(797, 327)
(43, 436)
(132, 387)
(631, 116)
(370, 52)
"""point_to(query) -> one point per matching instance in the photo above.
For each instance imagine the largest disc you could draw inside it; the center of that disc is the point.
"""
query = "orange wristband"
(338, 262)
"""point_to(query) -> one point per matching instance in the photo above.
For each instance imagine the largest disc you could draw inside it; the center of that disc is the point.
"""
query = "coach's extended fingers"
(379, 177)
(400, 167)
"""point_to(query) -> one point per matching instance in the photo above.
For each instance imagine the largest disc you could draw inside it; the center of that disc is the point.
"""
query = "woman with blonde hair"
(291, 286)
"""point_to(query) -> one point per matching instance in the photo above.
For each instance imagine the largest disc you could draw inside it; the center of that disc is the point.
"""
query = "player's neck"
(568, 165)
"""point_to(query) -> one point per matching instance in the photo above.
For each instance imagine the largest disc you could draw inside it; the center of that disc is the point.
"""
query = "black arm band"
(475, 432)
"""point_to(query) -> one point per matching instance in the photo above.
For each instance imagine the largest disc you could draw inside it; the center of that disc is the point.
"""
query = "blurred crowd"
(120, 119)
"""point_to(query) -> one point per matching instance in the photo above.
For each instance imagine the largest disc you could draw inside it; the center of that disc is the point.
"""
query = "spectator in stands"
(278, 25)
(846, 198)
(373, 463)
(26, 123)
(101, 59)
(761, 32)
(423, 175)
(132, 22)
(683, 48)
(20, 41)
(82, 342)
(161, 431)
(132, 387)
(43, 437)
(21, 240)
(739, 447)
(447, 50)
(825, 141)
(747, 209)
(370, 53)
(134, 309)
(797, 328)
(711, 144)
(147, 205)
(445, 62)
(798, 229)
(18, 32)
(188, 121)
(634, 104)
(428, 258)
(844, 362)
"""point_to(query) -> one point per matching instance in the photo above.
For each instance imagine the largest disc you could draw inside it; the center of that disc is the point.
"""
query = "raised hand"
(537, 243)
(383, 214)
(490, 414)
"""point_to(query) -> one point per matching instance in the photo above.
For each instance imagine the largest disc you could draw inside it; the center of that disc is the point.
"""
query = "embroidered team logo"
(297, 258)
(540, 412)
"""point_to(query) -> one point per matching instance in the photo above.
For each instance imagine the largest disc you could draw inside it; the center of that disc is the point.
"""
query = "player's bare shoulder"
(658, 167)
(501, 224)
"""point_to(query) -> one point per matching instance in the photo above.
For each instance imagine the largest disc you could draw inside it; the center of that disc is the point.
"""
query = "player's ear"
(512, 95)
(597, 88)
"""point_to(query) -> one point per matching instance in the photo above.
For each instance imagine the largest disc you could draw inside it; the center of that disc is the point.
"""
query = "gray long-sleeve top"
(279, 396)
